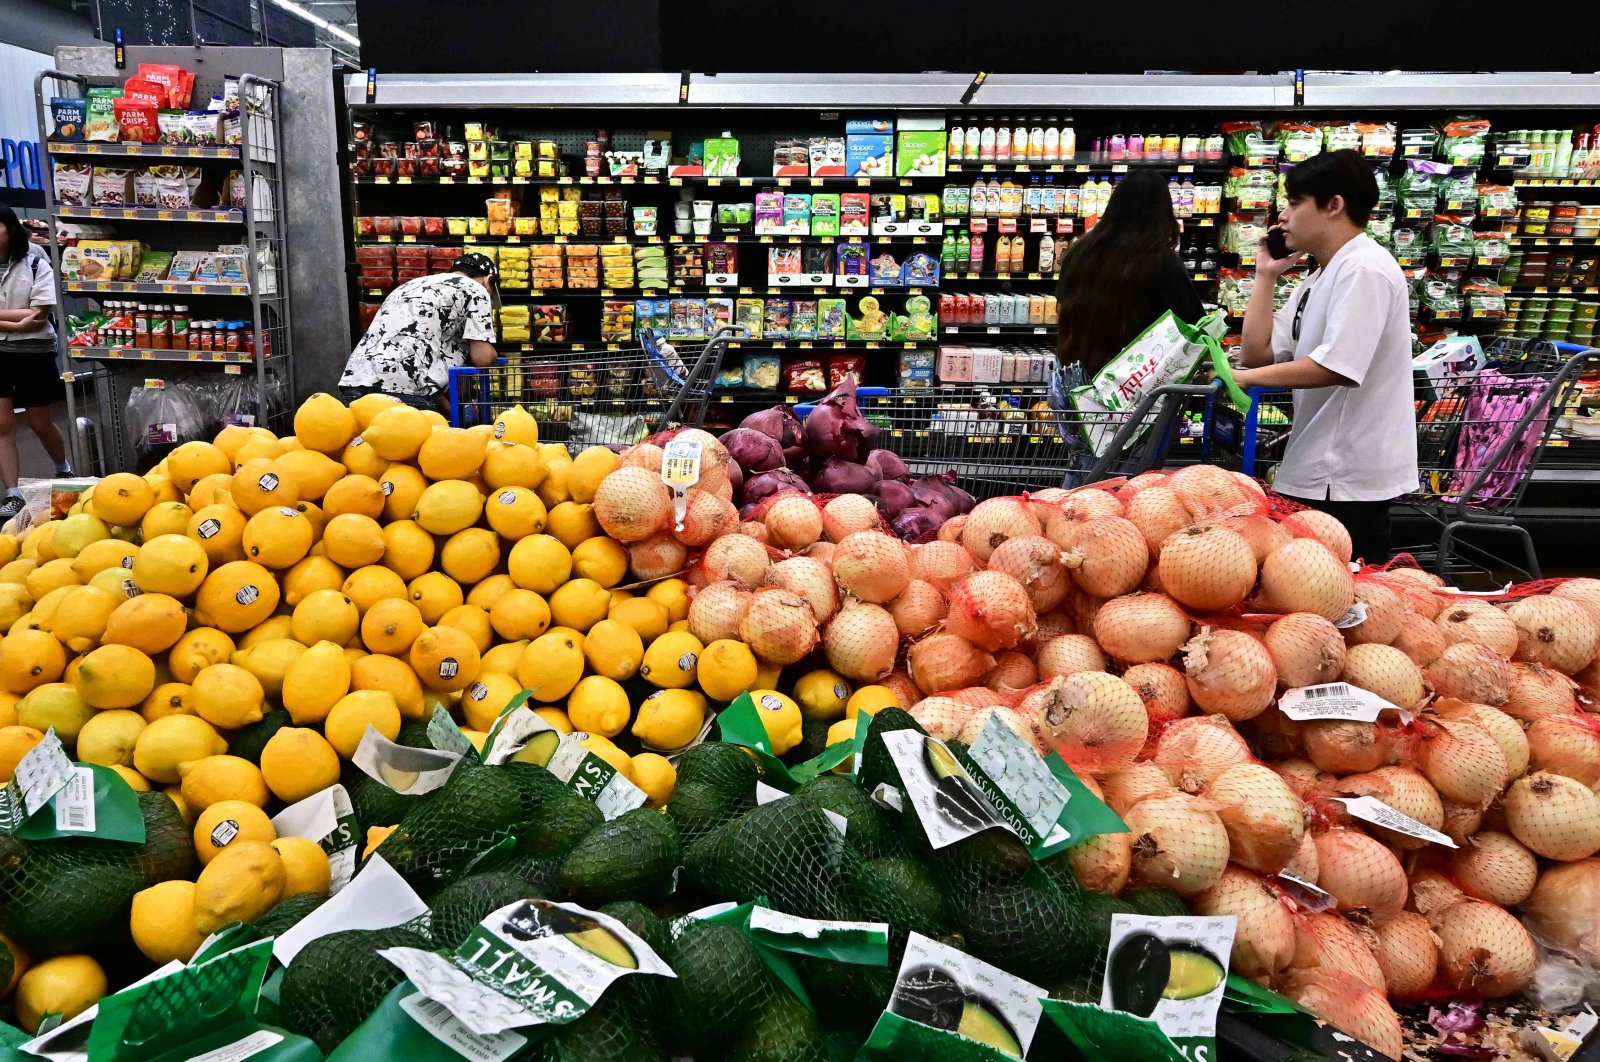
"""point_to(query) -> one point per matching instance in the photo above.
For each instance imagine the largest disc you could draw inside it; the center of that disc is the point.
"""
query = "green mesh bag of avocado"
(439, 838)
(335, 981)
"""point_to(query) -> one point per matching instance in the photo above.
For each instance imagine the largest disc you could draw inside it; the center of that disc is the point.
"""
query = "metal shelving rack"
(101, 379)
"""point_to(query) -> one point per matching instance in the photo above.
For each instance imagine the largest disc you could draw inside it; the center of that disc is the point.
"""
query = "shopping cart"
(1480, 436)
(614, 397)
(1006, 439)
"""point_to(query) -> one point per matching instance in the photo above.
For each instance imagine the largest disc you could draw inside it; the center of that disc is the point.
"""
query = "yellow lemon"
(367, 586)
(509, 464)
(602, 559)
(136, 781)
(539, 563)
(51, 575)
(9, 700)
(313, 573)
(515, 513)
(434, 594)
(502, 658)
(353, 541)
(66, 985)
(579, 604)
(162, 922)
(108, 738)
(297, 762)
(673, 595)
(165, 518)
(780, 717)
(551, 666)
(599, 705)
(843, 731)
(277, 537)
(44, 609)
(448, 506)
(315, 682)
(263, 446)
(613, 649)
(262, 483)
(648, 618)
(445, 659)
(169, 698)
(488, 591)
(553, 488)
(822, 694)
(390, 626)
(656, 776)
(517, 425)
(324, 423)
(349, 719)
(220, 531)
(669, 719)
(80, 619)
(193, 461)
(402, 487)
(175, 794)
(171, 740)
(397, 433)
(15, 743)
(116, 676)
(76, 533)
(727, 668)
(174, 565)
(227, 823)
(198, 649)
(96, 557)
(269, 661)
(670, 661)
(227, 696)
(588, 469)
(58, 705)
(117, 582)
(393, 676)
(312, 473)
(231, 438)
(240, 884)
(555, 717)
(451, 453)
(376, 835)
(15, 601)
(571, 522)
(305, 866)
(355, 494)
(407, 549)
(17, 571)
(10, 548)
(519, 614)
(870, 700)
(326, 615)
(237, 596)
(603, 747)
(474, 621)
(368, 406)
(122, 498)
(362, 460)
(218, 778)
(150, 623)
(484, 700)
(470, 555)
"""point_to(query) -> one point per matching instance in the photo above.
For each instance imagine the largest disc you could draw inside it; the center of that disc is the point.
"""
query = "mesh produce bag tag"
(376, 898)
(948, 1006)
(1108, 1033)
(208, 1009)
(444, 735)
(948, 802)
(68, 1041)
(95, 802)
(593, 778)
(409, 1025)
(1171, 970)
(740, 916)
(740, 724)
(39, 775)
(519, 733)
(533, 962)
(858, 943)
(328, 819)
(406, 770)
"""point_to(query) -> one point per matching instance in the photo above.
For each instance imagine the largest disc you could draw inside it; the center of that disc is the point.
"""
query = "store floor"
(36, 464)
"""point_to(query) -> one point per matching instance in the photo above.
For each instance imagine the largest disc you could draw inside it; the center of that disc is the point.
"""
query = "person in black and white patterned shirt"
(423, 328)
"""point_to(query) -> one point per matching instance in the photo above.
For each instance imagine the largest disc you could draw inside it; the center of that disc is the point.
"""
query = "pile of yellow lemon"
(365, 570)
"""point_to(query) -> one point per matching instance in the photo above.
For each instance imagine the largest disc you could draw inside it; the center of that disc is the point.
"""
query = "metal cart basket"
(612, 397)
(1480, 436)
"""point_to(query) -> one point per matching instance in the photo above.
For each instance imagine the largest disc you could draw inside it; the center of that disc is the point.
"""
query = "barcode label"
(1333, 700)
(1333, 689)
(449, 1030)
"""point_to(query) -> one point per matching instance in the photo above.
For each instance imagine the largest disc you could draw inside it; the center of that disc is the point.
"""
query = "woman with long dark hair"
(1116, 280)
(29, 376)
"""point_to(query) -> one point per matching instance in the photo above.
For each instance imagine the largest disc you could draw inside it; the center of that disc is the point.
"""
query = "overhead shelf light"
(318, 21)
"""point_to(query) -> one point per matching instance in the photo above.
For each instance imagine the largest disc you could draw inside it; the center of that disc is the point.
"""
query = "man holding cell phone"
(1343, 345)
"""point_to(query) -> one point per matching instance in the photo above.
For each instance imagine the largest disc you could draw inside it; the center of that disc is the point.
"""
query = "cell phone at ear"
(1277, 244)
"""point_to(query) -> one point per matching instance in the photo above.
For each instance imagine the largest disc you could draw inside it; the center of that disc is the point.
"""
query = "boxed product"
(784, 264)
(797, 214)
(805, 375)
(869, 147)
(920, 146)
(917, 368)
(154, 266)
(827, 155)
(831, 318)
(851, 268)
(137, 122)
(803, 319)
(719, 314)
(777, 318)
(749, 315)
(721, 157)
(855, 214)
(825, 214)
(769, 212)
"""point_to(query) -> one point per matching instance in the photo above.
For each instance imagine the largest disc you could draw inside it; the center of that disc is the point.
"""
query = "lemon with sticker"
(671, 660)
(515, 512)
(780, 717)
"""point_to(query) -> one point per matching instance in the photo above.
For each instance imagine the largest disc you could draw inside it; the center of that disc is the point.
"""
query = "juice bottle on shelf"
(1133, 147)
(1171, 147)
(1117, 148)
(947, 255)
(1019, 140)
(1036, 140)
(1033, 199)
(1190, 147)
(1214, 147)
(1067, 201)
(1564, 154)
(1036, 304)
(971, 142)
(1172, 195)
(964, 252)
(1002, 141)
(1051, 311)
(980, 254)
(1052, 142)
(955, 143)
(1047, 253)
(986, 145)
(1186, 198)
(1102, 196)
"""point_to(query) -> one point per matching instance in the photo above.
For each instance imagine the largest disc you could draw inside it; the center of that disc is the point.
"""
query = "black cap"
(475, 265)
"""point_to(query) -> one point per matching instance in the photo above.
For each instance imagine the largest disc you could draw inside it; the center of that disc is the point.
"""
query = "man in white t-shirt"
(1342, 344)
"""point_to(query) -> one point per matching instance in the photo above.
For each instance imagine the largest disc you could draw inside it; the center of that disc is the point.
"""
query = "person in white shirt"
(1342, 344)
(30, 379)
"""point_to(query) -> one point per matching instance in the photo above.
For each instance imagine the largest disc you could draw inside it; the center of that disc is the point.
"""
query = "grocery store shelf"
(1540, 290)
(1557, 182)
(996, 330)
(1555, 241)
(751, 344)
(1081, 165)
(513, 90)
(432, 182)
(130, 287)
(1566, 475)
(218, 357)
(223, 217)
(639, 241)
(561, 294)
(1441, 92)
(181, 151)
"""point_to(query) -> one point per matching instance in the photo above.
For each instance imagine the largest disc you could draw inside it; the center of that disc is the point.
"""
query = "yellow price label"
(680, 464)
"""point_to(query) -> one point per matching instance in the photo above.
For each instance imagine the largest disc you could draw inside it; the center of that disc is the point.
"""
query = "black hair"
(16, 235)
(1106, 275)
(1336, 173)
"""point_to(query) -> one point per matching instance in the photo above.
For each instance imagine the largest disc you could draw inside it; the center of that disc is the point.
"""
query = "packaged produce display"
(763, 743)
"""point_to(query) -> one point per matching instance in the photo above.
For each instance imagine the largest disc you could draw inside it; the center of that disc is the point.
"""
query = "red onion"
(752, 450)
(735, 476)
(894, 498)
(836, 428)
(844, 477)
(914, 524)
(760, 487)
(888, 464)
(780, 423)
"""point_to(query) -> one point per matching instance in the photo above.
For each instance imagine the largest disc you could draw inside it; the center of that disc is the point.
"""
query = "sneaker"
(10, 506)
(64, 469)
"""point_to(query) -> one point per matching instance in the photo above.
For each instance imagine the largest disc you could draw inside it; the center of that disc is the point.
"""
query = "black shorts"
(30, 378)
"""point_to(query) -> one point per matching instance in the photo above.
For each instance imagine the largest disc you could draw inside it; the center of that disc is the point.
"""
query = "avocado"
(1195, 972)
(557, 825)
(539, 748)
(933, 997)
(1162, 903)
(1138, 972)
(956, 797)
(877, 765)
(632, 857)
(285, 914)
(869, 827)
(725, 767)
(782, 1031)
(248, 742)
(721, 984)
(462, 905)
(985, 1025)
